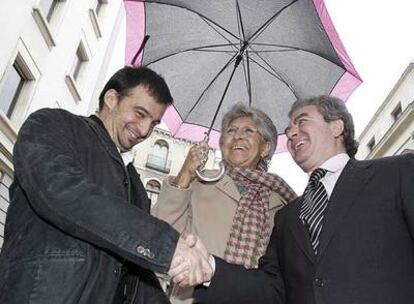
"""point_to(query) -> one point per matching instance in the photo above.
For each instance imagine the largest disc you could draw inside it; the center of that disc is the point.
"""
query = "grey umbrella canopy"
(265, 53)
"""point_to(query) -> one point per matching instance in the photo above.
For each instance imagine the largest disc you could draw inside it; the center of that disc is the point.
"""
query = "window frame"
(74, 80)
(48, 23)
(397, 112)
(24, 63)
(371, 144)
(152, 192)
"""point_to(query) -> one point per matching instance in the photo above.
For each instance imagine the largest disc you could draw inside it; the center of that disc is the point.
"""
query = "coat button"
(319, 282)
(140, 250)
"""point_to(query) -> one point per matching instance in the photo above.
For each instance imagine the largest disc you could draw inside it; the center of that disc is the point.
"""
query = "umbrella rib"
(274, 74)
(246, 69)
(240, 24)
(293, 49)
(224, 37)
(269, 21)
(198, 14)
(200, 48)
(209, 85)
(215, 51)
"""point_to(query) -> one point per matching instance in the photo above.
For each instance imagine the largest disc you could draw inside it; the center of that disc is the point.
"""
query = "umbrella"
(215, 53)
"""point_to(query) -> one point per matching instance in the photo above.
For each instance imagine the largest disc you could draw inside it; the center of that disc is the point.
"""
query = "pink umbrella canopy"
(216, 53)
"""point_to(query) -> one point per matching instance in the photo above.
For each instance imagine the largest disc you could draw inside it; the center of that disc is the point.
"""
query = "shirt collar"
(336, 163)
(127, 156)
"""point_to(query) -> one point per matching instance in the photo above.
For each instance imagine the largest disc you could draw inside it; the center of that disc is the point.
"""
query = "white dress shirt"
(334, 165)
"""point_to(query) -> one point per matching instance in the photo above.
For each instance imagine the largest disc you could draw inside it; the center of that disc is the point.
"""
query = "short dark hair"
(128, 78)
(332, 108)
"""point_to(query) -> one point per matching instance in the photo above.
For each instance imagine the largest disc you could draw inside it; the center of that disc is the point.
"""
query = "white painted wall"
(20, 33)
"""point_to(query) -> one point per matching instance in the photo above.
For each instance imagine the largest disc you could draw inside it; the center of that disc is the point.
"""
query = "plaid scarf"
(250, 231)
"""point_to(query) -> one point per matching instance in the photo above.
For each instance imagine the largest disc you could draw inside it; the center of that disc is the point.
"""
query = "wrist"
(178, 184)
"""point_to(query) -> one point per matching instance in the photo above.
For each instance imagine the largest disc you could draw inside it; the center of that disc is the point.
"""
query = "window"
(160, 152)
(396, 113)
(371, 144)
(18, 85)
(158, 159)
(93, 15)
(47, 8)
(77, 72)
(153, 188)
(80, 59)
(47, 14)
(11, 90)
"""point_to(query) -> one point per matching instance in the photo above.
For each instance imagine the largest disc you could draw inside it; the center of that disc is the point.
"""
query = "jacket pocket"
(48, 279)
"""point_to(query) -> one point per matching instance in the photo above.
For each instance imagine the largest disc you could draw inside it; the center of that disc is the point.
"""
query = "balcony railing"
(158, 163)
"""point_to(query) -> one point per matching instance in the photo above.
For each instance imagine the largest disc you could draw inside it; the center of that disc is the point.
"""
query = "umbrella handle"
(202, 172)
(210, 178)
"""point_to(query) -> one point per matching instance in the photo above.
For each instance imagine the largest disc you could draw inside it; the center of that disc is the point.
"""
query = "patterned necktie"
(315, 201)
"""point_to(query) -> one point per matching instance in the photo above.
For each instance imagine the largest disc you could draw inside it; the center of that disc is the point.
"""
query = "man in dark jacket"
(78, 228)
(348, 239)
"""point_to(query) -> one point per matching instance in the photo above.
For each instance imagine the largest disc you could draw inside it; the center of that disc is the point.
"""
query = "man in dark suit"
(348, 240)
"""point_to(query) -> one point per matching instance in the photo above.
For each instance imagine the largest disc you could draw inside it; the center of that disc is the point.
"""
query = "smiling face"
(312, 140)
(242, 145)
(130, 119)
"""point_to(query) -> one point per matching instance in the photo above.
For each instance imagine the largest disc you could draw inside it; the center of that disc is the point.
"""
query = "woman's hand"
(195, 158)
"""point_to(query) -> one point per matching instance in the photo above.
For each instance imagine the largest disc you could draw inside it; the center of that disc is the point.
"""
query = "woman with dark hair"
(234, 216)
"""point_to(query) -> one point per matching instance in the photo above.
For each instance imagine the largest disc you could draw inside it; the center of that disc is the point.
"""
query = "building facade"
(160, 156)
(54, 53)
(391, 129)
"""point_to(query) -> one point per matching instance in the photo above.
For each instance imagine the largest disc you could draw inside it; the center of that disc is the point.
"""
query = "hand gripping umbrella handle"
(201, 171)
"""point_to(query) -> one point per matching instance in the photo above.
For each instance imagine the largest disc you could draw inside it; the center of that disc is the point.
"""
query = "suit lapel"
(349, 185)
(300, 233)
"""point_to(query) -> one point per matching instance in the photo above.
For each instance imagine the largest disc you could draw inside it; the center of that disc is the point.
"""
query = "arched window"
(158, 159)
(161, 151)
(153, 188)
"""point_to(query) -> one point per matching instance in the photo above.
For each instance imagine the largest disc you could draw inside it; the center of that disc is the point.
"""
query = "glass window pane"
(76, 68)
(10, 91)
(47, 7)
(78, 64)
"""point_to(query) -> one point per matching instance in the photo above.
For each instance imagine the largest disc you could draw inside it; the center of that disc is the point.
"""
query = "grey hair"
(332, 108)
(264, 125)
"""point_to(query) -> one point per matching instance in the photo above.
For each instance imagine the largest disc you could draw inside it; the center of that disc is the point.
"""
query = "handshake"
(190, 265)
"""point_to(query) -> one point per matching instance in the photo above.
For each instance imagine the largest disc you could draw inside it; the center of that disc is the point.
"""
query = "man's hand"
(190, 264)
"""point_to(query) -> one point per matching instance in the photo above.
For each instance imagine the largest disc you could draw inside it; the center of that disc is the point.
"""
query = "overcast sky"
(378, 36)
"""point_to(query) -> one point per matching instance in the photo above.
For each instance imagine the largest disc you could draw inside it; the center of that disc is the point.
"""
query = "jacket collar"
(299, 231)
(98, 127)
(350, 183)
(228, 186)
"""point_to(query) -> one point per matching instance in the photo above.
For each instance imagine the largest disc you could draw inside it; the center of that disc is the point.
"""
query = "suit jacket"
(206, 210)
(366, 250)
